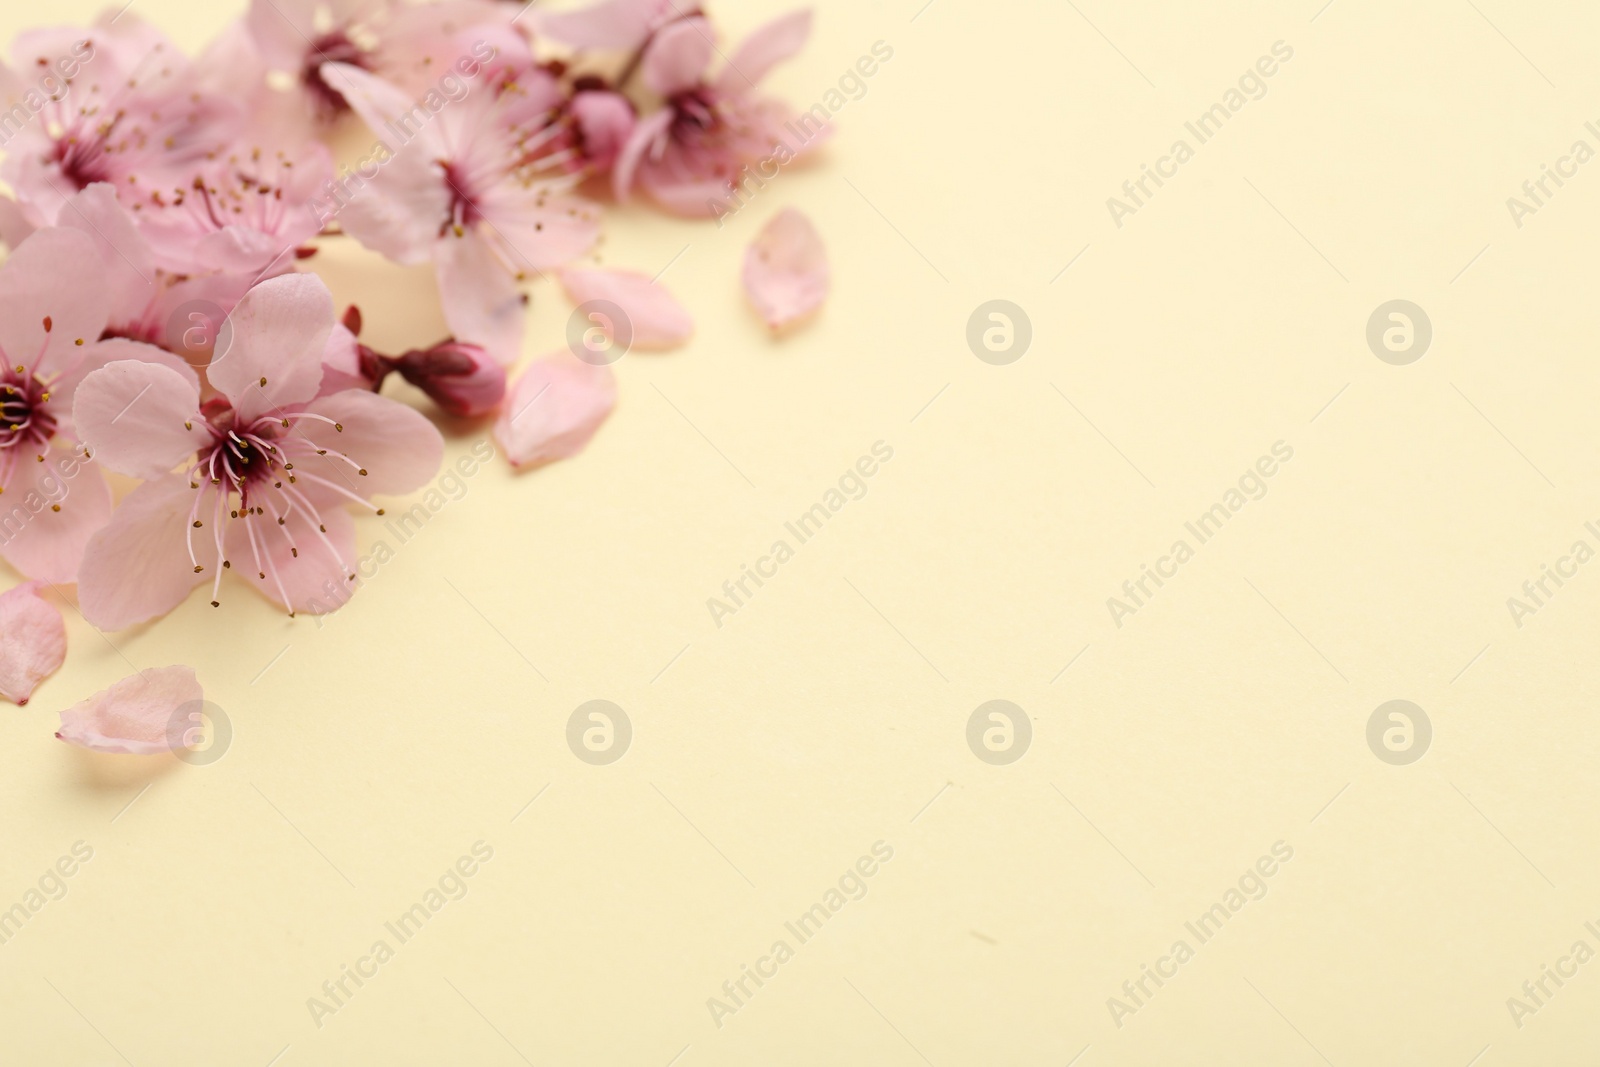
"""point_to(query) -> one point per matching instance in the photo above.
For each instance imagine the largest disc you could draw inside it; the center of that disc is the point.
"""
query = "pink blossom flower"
(690, 155)
(135, 716)
(33, 641)
(52, 312)
(131, 117)
(786, 269)
(554, 409)
(247, 211)
(268, 466)
(468, 190)
(462, 379)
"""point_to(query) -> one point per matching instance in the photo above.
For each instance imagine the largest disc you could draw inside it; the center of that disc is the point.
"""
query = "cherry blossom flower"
(471, 192)
(33, 641)
(462, 379)
(136, 716)
(691, 155)
(131, 117)
(267, 466)
(786, 269)
(554, 409)
(53, 308)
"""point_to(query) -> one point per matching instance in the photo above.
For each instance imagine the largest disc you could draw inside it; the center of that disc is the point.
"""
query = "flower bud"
(461, 378)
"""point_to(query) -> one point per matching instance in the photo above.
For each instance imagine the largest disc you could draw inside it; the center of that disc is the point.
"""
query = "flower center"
(335, 47)
(255, 462)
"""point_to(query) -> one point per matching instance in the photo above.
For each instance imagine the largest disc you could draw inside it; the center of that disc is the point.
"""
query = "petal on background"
(554, 409)
(140, 419)
(654, 318)
(33, 641)
(134, 716)
(786, 269)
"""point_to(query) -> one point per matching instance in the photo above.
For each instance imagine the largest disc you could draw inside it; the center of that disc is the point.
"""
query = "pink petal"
(612, 24)
(35, 538)
(764, 49)
(647, 134)
(678, 56)
(130, 269)
(53, 274)
(481, 302)
(786, 269)
(292, 565)
(396, 445)
(273, 357)
(653, 319)
(140, 419)
(554, 409)
(532, 229)
(33, 641)
(14, 225)
(135, 716)
(138, 566)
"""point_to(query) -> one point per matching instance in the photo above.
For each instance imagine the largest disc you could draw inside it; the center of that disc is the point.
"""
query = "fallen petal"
(33, 641)
(553, 410)
(786, 269)
(652, 318)
(135, 716)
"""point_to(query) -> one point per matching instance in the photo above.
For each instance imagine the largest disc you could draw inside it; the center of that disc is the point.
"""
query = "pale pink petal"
(33, 641)
(648, 135)
(14, 224)
(275, 338)
(554, 409)
(130, 269)
(786, 269)
(281, 30)
(111, 350)
(138, 565)
(140, 419)
(52, 275)
(678, 56)
(295, 564)
(612, 24)
(341, 363)
(481, 302)
(35, 537)
(653, 318)
(397, 447)
(764, 49)
(136, 715)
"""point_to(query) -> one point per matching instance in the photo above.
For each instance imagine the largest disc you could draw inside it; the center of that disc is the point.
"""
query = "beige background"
(371, 751)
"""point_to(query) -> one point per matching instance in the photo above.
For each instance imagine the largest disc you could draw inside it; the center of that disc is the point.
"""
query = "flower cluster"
(165, 341)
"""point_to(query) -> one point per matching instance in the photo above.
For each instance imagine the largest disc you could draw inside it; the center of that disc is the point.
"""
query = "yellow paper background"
(373, 750)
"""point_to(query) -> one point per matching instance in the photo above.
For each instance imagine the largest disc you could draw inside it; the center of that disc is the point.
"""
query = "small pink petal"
(653, 318)
(134, 716)
(786, 269)
(554, 409)
(33, 641)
